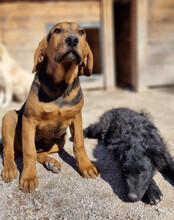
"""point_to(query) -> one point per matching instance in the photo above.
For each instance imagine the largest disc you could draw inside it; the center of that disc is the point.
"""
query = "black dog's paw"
(153, 194)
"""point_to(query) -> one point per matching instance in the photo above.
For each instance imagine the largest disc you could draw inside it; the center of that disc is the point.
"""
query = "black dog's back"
(123, 129)
(121, 123)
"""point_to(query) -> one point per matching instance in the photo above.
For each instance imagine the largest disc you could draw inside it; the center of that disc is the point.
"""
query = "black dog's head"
(136, 167)
(137, 174)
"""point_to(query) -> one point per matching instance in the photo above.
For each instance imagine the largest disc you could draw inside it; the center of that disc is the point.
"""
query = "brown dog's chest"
(54, 124)
(51, 130)
(53, 117)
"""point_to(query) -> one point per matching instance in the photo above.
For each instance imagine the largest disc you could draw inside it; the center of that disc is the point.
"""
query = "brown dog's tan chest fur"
(55, 123)
(52, 121)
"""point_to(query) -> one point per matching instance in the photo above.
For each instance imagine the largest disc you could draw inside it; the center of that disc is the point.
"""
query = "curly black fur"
(136, 143)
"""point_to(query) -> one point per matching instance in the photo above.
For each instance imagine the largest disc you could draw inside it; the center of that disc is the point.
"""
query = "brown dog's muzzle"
(72, 40)
(72, 51)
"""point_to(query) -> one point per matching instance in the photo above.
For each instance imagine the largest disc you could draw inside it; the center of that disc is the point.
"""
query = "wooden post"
(139, 40)
(108, 43)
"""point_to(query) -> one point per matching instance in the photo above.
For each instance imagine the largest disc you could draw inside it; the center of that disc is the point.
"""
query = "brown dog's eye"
(57, 31)
(81, 32)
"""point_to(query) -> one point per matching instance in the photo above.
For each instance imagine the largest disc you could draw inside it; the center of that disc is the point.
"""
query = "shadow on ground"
(65, 156)
(109, 170)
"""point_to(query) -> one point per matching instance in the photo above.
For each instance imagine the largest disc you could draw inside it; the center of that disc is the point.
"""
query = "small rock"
(82, 201)
(159, 210)
(91, 205)
(29, 217)
(37, 205)
(170, 210)
(9, 196)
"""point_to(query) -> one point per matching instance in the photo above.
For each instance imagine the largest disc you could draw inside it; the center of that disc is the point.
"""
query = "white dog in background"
(14, 81)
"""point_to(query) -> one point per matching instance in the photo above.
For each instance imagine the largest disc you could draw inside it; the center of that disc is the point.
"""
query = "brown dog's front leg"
(28, 181)
(86, 168)
(9, 125)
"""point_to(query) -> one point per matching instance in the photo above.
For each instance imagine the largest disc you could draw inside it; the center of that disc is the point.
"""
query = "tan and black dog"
(54, 103)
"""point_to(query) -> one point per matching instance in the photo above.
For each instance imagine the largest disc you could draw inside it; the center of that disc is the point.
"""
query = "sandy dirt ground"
(70, 197)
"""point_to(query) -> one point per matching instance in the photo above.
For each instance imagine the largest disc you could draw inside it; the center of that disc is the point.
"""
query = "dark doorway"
(93, 39)
(123, 43)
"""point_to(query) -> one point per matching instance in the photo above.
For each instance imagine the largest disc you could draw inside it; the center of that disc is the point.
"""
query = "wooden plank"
(62, 10)
(161, 11)
(160, 75)
(134, 65)
(108, 44)
(160, 54)
(19, 39)
(160, 65)
(160, 57)
(161, 21)
(139, 51)
(23, 24)
(161, 33)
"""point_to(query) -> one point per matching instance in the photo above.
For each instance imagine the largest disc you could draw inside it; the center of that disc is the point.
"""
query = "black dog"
(135, 142)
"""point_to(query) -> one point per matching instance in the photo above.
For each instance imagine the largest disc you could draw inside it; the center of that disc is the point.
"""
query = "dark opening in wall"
(123, 43)
(93, 39)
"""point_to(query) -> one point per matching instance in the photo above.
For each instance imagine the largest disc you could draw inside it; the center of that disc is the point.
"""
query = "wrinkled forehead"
(67, 26)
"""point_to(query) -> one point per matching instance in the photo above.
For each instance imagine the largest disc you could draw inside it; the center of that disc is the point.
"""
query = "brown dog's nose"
(72, 40)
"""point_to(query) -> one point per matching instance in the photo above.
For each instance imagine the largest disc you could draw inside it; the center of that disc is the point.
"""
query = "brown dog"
(54, 103)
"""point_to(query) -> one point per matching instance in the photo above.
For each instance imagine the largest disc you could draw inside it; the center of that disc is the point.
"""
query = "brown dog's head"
(66, 43)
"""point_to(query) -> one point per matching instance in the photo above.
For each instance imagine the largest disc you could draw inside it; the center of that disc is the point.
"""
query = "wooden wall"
(152, 43)
(160, 49)
(23, 24)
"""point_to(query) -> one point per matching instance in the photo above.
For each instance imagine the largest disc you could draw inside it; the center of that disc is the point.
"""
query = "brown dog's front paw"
(89, 171)
(9, 172)
(28, 184)
(53, 165)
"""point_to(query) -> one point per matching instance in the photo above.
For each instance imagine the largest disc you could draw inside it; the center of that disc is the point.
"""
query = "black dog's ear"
(159, 156)
(162, 160)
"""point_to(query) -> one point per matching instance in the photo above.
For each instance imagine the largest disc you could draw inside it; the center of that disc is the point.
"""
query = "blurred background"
(132, 40)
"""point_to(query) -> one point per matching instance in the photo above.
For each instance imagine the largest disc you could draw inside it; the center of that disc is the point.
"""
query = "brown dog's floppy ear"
(87, 65)
(39, 54)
